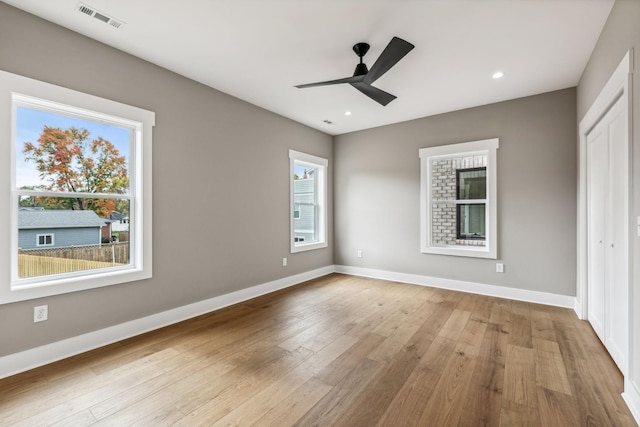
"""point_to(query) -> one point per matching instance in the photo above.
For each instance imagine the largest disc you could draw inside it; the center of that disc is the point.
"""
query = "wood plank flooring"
(338, 351)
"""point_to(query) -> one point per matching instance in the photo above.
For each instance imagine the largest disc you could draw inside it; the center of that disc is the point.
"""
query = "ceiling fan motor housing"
(361, 70)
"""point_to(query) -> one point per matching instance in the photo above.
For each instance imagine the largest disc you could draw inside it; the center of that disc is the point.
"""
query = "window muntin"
(458, 199)
(308, 181)
(28, 184)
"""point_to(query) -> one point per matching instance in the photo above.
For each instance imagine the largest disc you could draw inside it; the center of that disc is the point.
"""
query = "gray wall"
(621, 33)
(208, 149)
(377, 175)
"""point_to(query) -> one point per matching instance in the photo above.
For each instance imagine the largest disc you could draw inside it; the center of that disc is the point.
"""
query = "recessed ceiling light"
(347, 113)
(498, 75)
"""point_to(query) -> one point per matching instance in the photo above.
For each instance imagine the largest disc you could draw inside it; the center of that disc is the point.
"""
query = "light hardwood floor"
(338, 351)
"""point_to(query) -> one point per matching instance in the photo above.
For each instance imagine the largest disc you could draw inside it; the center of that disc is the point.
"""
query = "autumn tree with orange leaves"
(69, 161)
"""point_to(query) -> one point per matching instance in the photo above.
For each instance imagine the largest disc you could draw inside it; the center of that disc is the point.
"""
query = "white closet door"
(607, 222)
(618, 241)
(597, 182)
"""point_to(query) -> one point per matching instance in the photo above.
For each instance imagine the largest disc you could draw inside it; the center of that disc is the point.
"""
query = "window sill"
(26, 289)
(467, 251)
(308, 247)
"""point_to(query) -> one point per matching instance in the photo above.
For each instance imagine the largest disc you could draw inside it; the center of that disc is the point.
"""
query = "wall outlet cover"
(40, 313)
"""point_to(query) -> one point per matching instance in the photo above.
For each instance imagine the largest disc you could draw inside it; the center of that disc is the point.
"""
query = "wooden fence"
(39, 262)
(34, 265)
(107, 252)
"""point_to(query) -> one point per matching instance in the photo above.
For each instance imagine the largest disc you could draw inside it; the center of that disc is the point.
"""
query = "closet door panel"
(597, 182)
(617, 328)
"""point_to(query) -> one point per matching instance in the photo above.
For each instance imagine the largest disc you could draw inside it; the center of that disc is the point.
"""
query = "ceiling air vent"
(100, 16)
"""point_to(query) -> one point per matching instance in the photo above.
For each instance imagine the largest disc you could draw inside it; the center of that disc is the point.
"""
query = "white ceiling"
(257, 50)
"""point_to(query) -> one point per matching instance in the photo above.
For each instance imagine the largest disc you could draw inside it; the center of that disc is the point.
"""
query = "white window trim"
(486, 147)
(13, 289)
(53, 242)
(321, 166)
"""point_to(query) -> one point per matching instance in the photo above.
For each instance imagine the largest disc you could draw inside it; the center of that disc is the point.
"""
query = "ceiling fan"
(363, 77)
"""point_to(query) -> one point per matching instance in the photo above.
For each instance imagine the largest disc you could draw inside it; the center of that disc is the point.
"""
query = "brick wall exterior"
(443, 190)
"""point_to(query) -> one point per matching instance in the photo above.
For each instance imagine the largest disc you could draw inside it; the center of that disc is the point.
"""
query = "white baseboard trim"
(23, 361)
(578, 309)
(458, 285)
(631, 396)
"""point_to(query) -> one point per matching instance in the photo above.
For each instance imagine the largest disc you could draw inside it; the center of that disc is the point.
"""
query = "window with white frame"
(458, 199)
(45, 240)
(74, 161)
(308, 201)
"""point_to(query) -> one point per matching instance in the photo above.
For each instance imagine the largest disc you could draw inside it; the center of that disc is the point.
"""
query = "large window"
(308, 201)
(74, 165)
(458, 199)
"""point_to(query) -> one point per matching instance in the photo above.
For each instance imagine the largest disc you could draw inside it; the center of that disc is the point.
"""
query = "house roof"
(117, 216)
(32, 219)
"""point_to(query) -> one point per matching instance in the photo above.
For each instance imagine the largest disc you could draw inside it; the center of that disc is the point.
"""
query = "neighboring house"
(116, 223)
(40, 229)
(120, 222)
(304, 209)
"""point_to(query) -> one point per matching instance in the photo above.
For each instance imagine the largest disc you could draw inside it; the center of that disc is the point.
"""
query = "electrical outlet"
(40, 313)
(499, 267)
(284, 262)
(359, 254)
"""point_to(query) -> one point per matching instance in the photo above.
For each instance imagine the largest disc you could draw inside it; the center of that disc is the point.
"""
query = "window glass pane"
(471, 221)
(471, 183)
(53, 239)
(304, 203)
(56, 152)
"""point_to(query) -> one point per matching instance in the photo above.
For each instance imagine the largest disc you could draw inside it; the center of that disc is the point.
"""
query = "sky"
(299, 169)
(29, 126)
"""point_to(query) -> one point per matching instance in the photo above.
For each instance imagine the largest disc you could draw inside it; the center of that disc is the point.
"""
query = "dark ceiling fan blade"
(394, 52)
(374, 93)
(355, 79)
